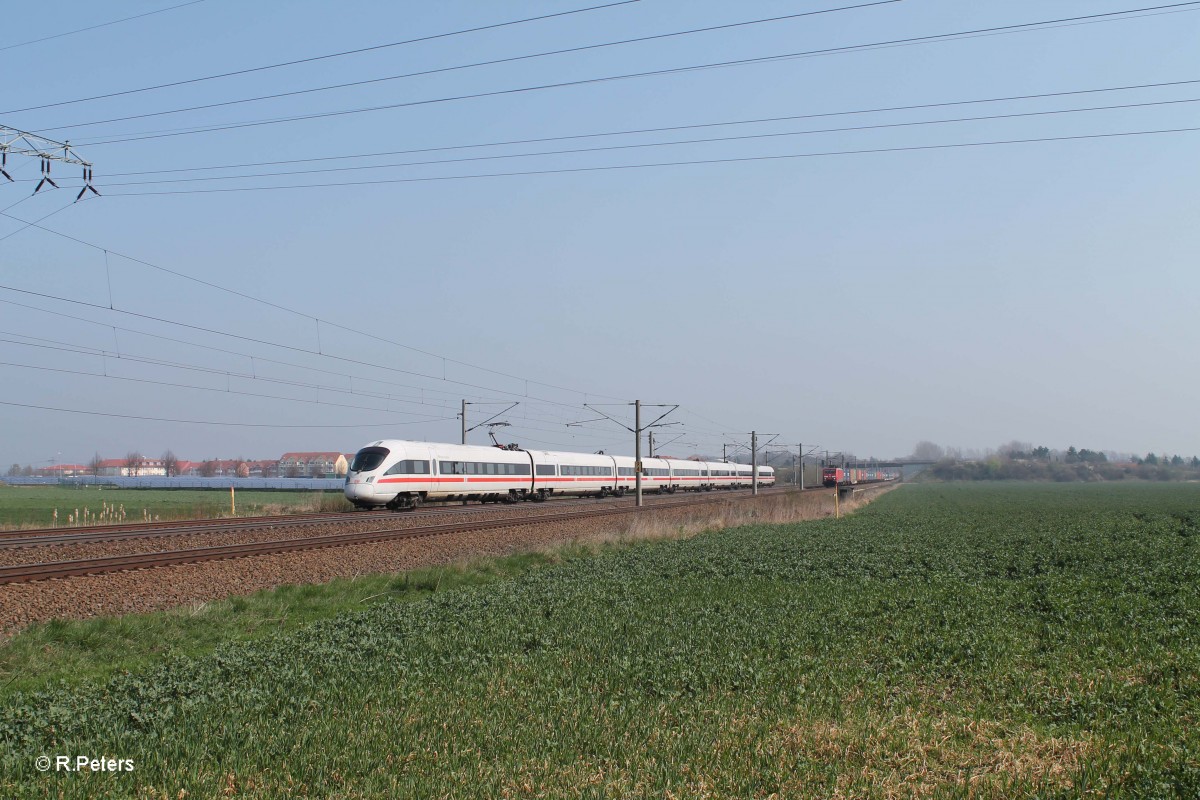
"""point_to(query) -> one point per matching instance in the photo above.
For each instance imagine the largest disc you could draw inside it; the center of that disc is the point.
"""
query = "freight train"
(403, 475)
(841, 476)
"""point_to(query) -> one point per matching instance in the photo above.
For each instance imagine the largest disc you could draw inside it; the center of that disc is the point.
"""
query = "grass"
(36, 506)
(946, 641)
(72, 652)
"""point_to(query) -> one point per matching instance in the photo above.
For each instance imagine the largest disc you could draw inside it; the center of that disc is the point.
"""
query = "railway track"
(23, 573)
(95, 534)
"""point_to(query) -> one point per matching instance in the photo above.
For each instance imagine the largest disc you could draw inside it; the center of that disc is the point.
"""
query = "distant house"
(312, 465)
(121, 468)
(263, 469)
(62, 470)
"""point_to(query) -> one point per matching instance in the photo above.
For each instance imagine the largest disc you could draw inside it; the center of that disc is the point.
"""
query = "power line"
(211, 422)
(318, 320)
(119, 357)
(755, 121)
(932, 38)
(230, 390)
(34, 223)
(614, 167)
(224, 351)
(292, 348)
(101, 25)
(490, 63)
(254, 359)
(311, 59)
(708, 140)
(69, 347)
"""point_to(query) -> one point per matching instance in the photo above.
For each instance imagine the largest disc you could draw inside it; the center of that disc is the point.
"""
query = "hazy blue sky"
(1039, 291)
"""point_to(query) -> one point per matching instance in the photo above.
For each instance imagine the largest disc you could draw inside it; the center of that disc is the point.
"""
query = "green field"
(946, 641)
(34, 506)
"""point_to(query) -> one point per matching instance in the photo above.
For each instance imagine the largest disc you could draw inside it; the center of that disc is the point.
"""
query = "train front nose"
(357, 487)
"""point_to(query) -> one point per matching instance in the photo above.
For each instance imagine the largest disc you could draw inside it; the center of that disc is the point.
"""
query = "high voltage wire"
(68, 347)
(230, 391)
(625, 76)
(101, 25)
(118, 356)
(211, 422)
(256, 359)
(676, 143)
(293, 348)
(251, 357)
(318, 320)
(490, 63)
(760, 120)
(79, 350)
(311, 59)
(60, 346)
(661, 164)
(27, 224)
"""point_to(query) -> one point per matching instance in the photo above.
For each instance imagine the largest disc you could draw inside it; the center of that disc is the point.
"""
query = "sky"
(852, 290)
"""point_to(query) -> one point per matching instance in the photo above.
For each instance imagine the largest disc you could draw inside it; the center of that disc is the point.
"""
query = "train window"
(625, 471)
(569, 469)
(369, 458)
(545, 469)
(409, 466)
(484, 468)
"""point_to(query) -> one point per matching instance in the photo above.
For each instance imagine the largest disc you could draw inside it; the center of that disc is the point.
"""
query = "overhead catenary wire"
(476, 64)
(26, 224)
(254, 358)
(323, 57)
(228, 390)
(675, 143)
(303, 315)
(209, 422)
(665, 129)
(260, 359)
(624, 76)
(292, 348)
(98, 26)
(123, 357)
(664, 164)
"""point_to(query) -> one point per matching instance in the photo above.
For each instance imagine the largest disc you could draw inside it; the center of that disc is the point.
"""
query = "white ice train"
(400, 474)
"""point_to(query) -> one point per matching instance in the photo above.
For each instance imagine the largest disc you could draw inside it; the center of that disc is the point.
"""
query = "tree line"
(1022, 461)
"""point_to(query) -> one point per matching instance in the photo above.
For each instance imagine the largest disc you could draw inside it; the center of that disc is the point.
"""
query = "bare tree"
(14, 470)
(170, 463)
(133, 463)
(315, 471)
(94, 465)
(928, 451)
(208, 468)
(294, 471)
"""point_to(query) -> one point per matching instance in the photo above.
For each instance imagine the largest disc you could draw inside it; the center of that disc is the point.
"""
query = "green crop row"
(947, 641)
(64, 506)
